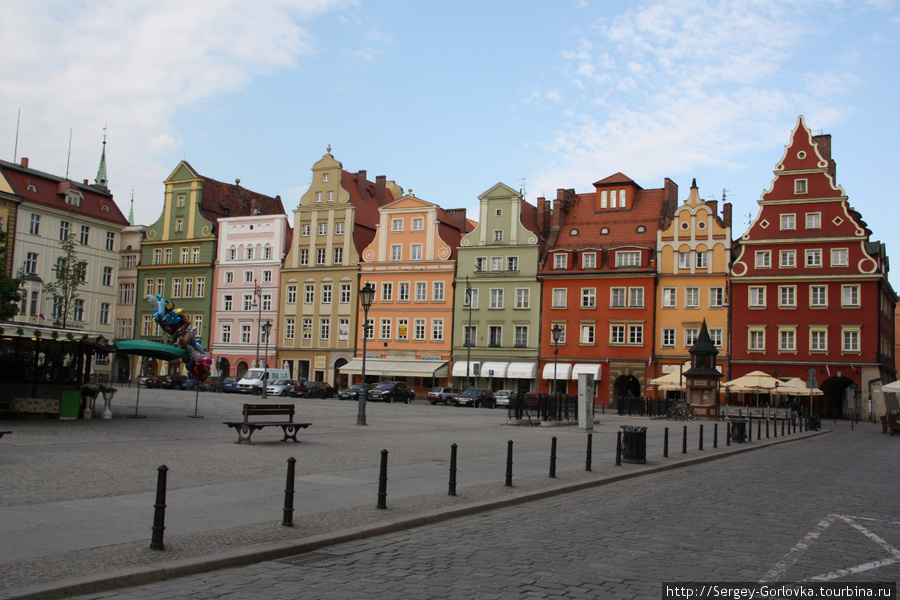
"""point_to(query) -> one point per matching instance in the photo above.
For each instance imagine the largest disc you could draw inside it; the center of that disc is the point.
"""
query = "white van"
(252, 382)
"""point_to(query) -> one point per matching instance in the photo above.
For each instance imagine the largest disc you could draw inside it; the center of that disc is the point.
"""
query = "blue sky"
(448, 98)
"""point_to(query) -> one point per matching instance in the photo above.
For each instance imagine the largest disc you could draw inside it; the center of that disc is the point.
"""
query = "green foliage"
(70, 273)
(9, 286)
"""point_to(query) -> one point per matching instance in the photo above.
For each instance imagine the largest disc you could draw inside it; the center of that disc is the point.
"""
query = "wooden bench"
(246, 427)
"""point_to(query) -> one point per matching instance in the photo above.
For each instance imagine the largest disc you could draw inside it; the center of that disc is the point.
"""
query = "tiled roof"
(529, 218)
(222, 200)
(367, 205)
(622, 224)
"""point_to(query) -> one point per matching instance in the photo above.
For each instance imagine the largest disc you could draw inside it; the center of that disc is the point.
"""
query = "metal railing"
(642, 407)
(543, 407)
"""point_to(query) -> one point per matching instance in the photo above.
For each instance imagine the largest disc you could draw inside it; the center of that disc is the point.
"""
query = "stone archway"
(340, 380)
(224, 366)
(834, 392)
(626, 385)
(242, 367)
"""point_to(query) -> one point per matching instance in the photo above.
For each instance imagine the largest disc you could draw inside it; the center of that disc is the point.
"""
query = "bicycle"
(681, 412)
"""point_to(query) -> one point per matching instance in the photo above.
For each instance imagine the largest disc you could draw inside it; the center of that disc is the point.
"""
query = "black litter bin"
(813, 423)
(739, 431)
(634, 444)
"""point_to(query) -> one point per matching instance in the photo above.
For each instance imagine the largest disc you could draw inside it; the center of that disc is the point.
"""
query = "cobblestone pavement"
(821, 508)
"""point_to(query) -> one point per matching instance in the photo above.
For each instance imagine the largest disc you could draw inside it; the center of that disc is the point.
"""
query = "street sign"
(812, 381)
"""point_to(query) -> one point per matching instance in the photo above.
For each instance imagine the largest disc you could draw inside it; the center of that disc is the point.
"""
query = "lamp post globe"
(556, 332)
(366, 296)
(265, 330)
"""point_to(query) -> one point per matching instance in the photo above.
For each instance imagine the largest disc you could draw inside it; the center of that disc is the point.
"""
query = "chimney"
(361, 184)
(823, 145)
(713, 206)
(560, 207)
(726, 214)
(25, 162)
(380, 187)
(542, 216)
(671, 194)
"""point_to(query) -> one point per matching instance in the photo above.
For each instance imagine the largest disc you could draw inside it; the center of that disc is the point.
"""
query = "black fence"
(544, 407)
(642, 407)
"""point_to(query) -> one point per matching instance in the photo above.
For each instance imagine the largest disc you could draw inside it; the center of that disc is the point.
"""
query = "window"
(324, 329)
(757, 297)
(35, 228)
(157, 257)
(415, 252)
(245, 334)
(126, 293)
(385, 329)
(684, 260)
(304, 257)
(818, 295)
(419, 330)
(387, 292)
(799, 186)
(248, 304)
(201, 286)
(309, 294)
(702, 258)
(185, 252)
(818, 340)
(345, 293)
(304, 230)
(318, 196)
(289, 329)
(616, 298)
(225, 334)
(320, 256)
(690, 336)
(472, 300)
(692, 297)
(788, 222)
(716, 335)
(851, 339)
(176, 287)
(148, 287)
(422, 292)
(292, 294)
(85, 235)
(496, 298)
(403, 292)
(628, 259)
(402, 329)
(849, 295)
(559, 298)
(180, 201)
(339, 255)
(668, 337)
(418, 224)
(326, 294)
(232, 254)
(757, 340)
(512, 263)
(323, 228)
(560, 260)
(438, 291)
(104, 313)
(250, 252)
(497, 264)
(498, 235)
(814, 220)
(787, 340)
(397, 225)
(669, 297)
(589, 260)
(306, 332)
(469, 335)
(788, 259)
(522, 298)
(495, 336)
(437, 330)
(168, 256)
(179, 225)
(787, 296)
(227, 302)
(839, 257)
(267, 253)
(562, 332)
(329, 195)
(636, 334)
(521, 340)
(267, 276)
(31, 261)
(65, 228)
(229, 277)
(716, 297)
(248, 276)
(813, 258)
(396, 252)
(339, 228)
(588, 297)
(763, 259)
(617, 334)
(78, 311)
(636, 297)
(480, 264)
(129, 261)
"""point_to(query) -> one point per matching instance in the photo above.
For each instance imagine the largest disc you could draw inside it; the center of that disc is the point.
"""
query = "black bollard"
(701, 437)
(782, 427)
(382, 482)
(619, 449)
(553, 457)
(589, 451)
(666, 444)
(159, 512)
(288, 517)
(715, 435)
(767, 428)
(509, 462)
(728, 433)
(758, 430)
(452, 490)
(684, 441)
(775, 427)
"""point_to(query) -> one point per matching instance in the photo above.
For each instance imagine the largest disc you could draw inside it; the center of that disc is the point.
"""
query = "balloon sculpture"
(177, 323)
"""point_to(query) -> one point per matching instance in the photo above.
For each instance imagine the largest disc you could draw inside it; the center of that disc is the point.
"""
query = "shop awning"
(402, 368)
(521, 371)
(594, 369)
(562, 370)
(498, 368)
(459, 369)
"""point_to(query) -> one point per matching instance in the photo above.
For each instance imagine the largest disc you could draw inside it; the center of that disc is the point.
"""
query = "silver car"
(504, 397)
(281, 387)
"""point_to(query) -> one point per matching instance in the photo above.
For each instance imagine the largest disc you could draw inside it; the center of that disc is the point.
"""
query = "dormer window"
(73, 199)
(324, 177)
(799, 186)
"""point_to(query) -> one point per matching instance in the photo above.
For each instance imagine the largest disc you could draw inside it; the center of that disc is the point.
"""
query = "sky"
(449, 98)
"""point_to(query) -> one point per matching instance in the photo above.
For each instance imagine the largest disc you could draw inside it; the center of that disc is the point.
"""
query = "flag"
(828, 370)
(43, 318)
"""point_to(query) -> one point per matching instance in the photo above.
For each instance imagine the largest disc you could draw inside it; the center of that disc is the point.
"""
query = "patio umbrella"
(799, 387)
(893, 386)
(755, 382)
(148, 349)
(669, 382)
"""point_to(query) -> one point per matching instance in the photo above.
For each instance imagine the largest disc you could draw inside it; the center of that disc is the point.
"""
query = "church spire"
(101, 171)
(131, 212)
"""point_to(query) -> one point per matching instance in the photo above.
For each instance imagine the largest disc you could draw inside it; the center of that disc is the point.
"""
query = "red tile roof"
(220, 200)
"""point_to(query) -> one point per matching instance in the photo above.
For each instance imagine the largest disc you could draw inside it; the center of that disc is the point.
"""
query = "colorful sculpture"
(177, 323)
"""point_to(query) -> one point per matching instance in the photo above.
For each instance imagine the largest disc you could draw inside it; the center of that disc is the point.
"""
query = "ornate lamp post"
(257, 292)
(366, 296)
(556, 332)
(468, 336)
(266, 329)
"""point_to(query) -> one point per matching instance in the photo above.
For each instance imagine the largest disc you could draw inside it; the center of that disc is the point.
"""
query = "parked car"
(392, 391)
(171, 382)
(313, 389)
(187, 384)
(152, 382)
(443, 394)
(505, 397)
(476, 398)
(211, 384)
(353, 392)
(229, 385)
(282, 387)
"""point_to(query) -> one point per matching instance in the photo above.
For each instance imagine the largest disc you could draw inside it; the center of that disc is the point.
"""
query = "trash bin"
(634, 444)
(813, 423)
(739, 431)
(69, 404)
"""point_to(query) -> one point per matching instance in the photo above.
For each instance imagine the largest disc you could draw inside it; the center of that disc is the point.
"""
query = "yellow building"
(694, 260)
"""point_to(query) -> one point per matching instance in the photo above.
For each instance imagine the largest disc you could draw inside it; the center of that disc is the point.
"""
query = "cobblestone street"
(814, 509)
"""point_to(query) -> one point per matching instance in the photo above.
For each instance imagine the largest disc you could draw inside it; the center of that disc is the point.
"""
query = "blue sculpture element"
(177, 323)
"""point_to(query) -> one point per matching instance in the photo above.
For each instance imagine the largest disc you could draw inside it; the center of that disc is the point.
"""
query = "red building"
(599, 285)
(809, 289)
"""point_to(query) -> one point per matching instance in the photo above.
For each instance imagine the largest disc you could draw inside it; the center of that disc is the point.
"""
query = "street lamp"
(557, 332)
(257, 292)
(468, 336)
(366, 295)
(266, 329)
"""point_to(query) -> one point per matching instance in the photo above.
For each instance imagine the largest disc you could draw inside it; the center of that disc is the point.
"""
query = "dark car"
(152, 382)
(392, 391)
(187, 384)
(313, 389)
(476, 398)
(229, 385)
(443, 394)
(171, 382)
(211, 384)
(353, 392)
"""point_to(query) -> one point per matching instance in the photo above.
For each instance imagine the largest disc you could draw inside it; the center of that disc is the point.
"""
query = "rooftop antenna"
(16, 147)
(69, 155)
(724, 194)
(522, 189)
(749, 217)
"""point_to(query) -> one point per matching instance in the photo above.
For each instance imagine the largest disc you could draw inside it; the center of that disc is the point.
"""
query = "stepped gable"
(50, 191)
(220, 200)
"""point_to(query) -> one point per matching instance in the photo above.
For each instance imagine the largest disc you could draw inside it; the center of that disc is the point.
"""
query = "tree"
(70, 273)
(9, 286)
